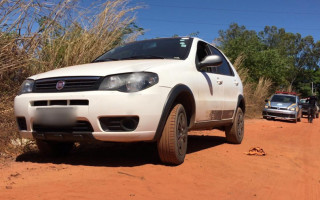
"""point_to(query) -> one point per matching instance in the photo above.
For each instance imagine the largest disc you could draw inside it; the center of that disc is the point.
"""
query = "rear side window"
(225, 68)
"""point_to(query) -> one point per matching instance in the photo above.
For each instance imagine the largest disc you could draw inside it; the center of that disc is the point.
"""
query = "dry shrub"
(254, 93)
(39, 35)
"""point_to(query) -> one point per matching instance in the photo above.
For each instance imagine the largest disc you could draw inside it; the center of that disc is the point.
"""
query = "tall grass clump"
(40, 35)
(254, 93)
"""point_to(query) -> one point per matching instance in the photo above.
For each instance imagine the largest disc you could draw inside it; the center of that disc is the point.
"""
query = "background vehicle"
(153, 90)
(305, 106)
(283, 105)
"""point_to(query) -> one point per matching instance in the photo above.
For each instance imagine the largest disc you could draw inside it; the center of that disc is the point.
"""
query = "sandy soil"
(213, 169)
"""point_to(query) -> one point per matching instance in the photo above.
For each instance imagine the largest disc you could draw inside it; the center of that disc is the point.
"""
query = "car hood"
(280, 104)
(106, 68)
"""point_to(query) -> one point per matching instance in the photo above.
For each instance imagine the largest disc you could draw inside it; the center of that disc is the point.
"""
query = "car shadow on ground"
(118, 154)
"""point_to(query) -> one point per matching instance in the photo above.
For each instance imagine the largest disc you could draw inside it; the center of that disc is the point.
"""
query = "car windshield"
(165, 48)
(283, 99)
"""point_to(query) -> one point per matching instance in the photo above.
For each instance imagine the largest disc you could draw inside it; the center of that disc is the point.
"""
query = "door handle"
(219, 82)
(236, 83)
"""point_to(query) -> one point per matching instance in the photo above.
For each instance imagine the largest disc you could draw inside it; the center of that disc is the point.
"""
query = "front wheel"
(235, 132)
(299, 119)
(172, 146)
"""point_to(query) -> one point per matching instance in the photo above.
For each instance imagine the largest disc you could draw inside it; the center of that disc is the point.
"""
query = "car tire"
(299, 119)
(235, 132)
(53, 148)
(317, 115)
(172, 145)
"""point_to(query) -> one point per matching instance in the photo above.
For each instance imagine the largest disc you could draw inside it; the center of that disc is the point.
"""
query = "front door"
(210, 97)
(230, 86)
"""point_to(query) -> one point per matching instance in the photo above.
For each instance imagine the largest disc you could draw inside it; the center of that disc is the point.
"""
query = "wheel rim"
(240, 124)
(182, 133)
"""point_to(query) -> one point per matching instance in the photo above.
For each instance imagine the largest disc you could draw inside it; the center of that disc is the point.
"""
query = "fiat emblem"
(60, 85)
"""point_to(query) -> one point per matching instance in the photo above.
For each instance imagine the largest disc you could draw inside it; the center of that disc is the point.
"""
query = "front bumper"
(284, 114)
(147, 105)
(305, 112)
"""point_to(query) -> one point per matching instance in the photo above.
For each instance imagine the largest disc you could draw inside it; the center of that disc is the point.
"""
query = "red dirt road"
(213, 169)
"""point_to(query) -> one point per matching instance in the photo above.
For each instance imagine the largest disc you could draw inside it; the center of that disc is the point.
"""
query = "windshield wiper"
(142, 57)
(104, 60)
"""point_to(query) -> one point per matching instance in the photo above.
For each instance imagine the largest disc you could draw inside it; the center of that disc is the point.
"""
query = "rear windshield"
(283, 99)
(164, 48)
(303, 101)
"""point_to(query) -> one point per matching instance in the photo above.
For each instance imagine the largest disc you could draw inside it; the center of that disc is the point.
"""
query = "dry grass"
(38, 35)
(255, 93)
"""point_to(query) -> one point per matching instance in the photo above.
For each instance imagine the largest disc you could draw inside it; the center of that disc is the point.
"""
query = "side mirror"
(266, 100)
(211, 61)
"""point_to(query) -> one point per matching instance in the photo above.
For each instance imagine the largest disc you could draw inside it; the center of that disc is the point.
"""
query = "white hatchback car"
(152, 90)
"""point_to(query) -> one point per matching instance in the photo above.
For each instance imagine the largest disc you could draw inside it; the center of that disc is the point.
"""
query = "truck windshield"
(164, 48)
(283, 99)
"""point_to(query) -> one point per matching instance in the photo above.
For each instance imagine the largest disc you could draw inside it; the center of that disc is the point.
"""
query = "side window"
(225, 68)
(203, 51)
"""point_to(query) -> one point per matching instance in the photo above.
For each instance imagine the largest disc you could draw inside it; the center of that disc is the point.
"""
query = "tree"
(261, 61)
(285, 58)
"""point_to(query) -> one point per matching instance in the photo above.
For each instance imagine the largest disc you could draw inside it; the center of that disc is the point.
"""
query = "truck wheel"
(235, 132)
(53, 148)
(172, 145)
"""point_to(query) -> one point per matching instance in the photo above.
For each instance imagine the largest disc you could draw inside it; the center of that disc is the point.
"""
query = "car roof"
(286, 95)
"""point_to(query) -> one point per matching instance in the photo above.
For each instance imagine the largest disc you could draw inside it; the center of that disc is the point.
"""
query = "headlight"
(292, 109)
(26, 86)
(131, 82)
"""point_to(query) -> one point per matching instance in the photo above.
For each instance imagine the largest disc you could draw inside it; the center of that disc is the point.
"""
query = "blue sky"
(164, 18)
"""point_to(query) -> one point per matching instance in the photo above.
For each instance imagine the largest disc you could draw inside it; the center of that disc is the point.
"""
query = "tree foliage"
(288, 59)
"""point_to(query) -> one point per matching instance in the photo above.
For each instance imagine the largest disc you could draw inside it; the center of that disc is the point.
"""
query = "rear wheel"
(235, 132)
(53, 148)
(172, 146)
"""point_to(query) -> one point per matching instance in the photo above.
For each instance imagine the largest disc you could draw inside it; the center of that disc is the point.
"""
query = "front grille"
(80, 126)
(74, 102)
(71, 84)
(276, 108)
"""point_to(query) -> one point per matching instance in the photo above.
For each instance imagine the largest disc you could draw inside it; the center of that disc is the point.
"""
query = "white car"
(152, 90)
